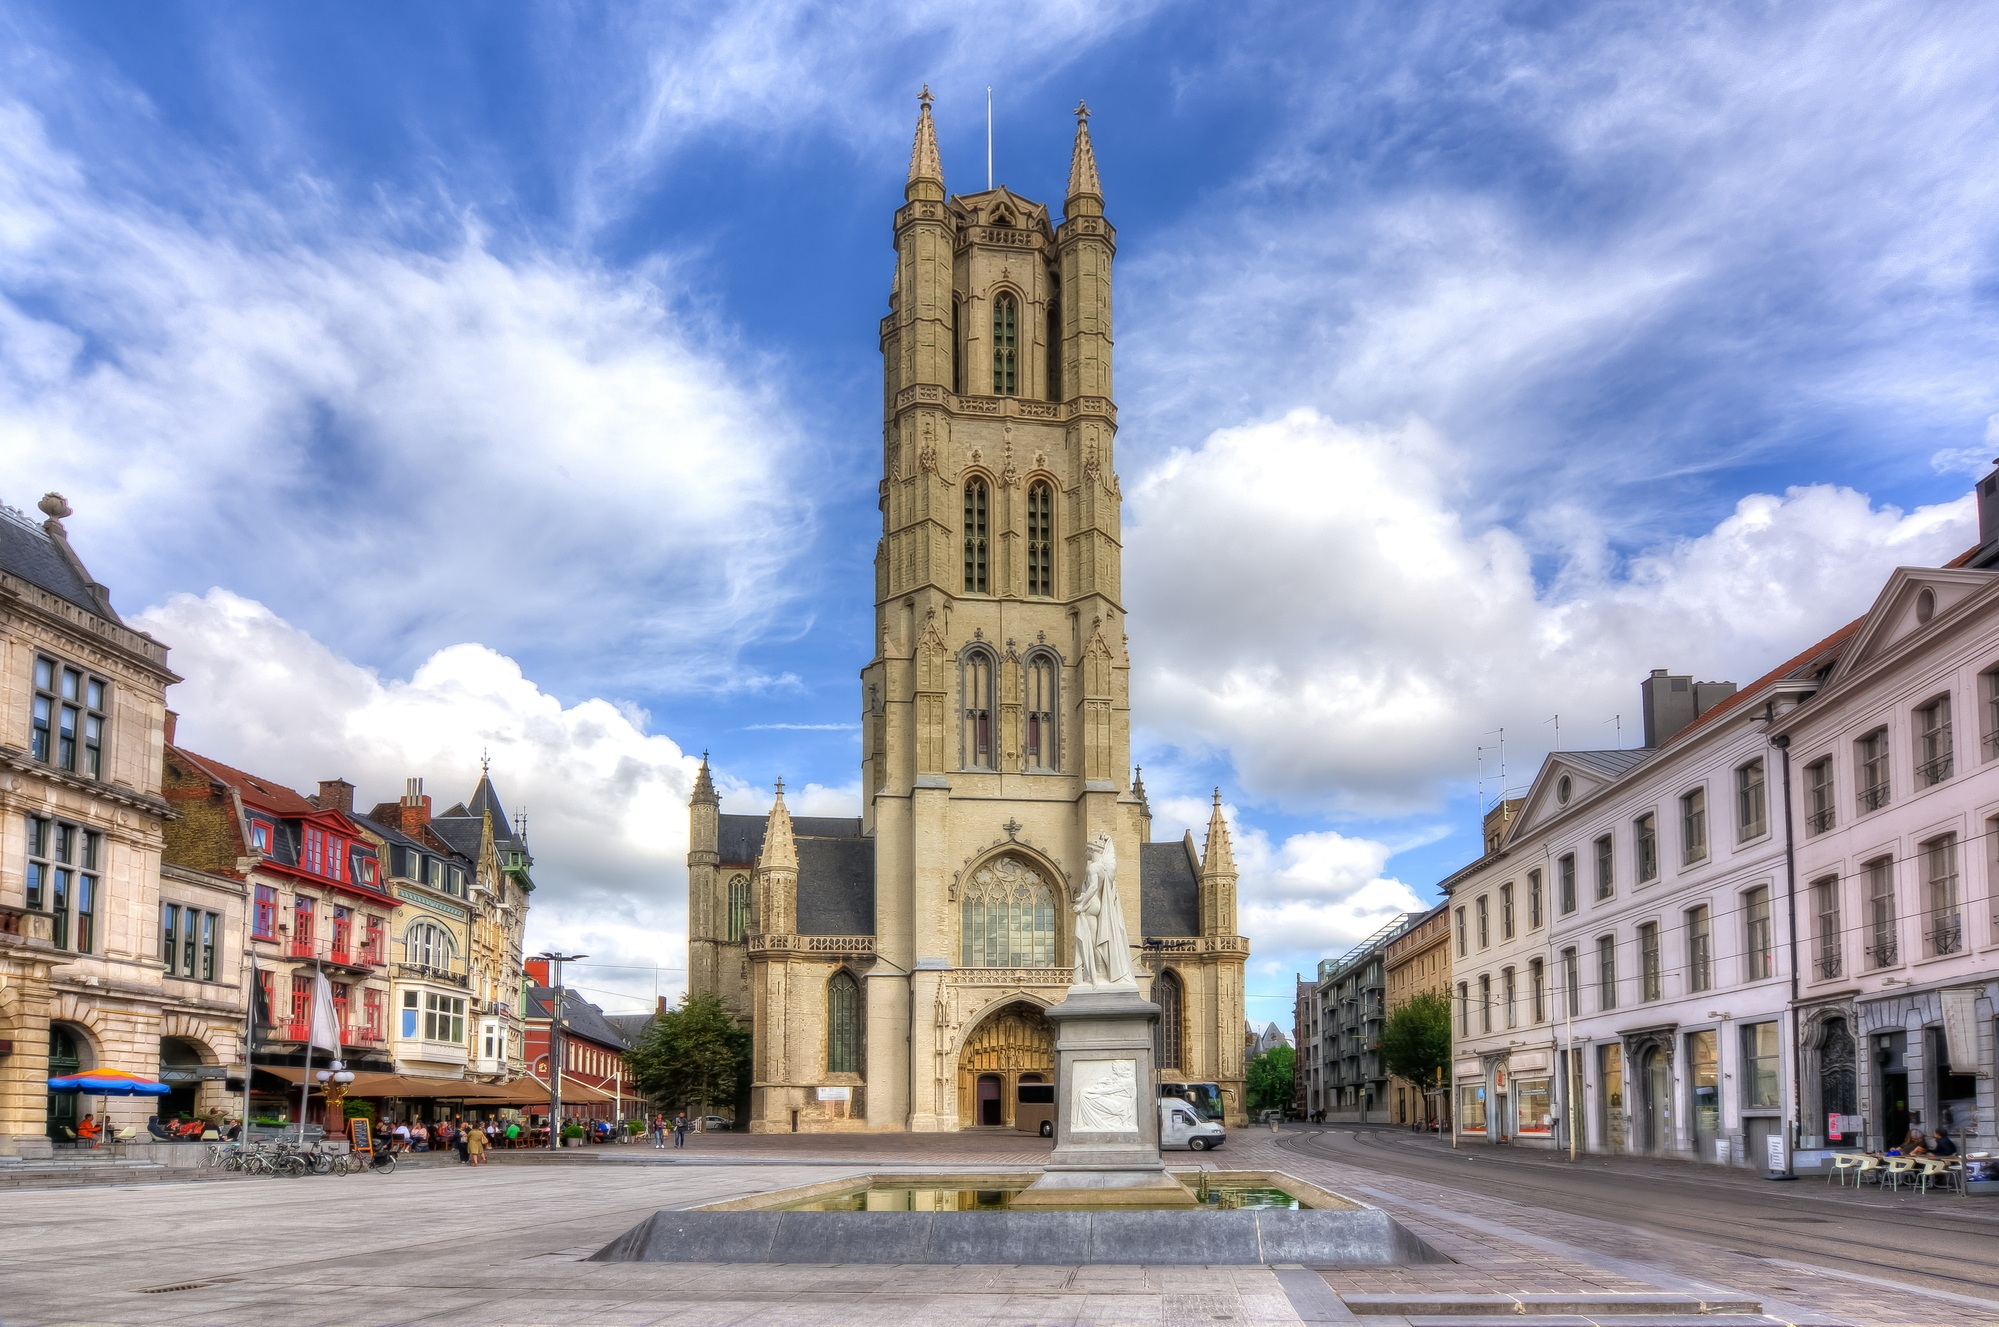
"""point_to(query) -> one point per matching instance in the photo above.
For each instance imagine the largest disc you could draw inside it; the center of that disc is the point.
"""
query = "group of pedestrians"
(469, 1138)
(658, 1127)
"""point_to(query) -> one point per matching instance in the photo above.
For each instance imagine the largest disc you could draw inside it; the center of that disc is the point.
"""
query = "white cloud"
(405, 448)
(606, 801)
(1345, 636)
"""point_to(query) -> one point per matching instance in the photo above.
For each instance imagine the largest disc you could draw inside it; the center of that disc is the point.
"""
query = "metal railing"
(1873, 798)
(1818, 822)
(1827, 965)
(1935, 771)
(1883, 954)
(1946, 933)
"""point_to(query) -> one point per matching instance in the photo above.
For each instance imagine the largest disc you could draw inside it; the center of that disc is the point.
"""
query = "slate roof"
(1608, 764)
(630, 1026)
(580, 1018)
(742, 837)
(461, 832)
(1169, 891)
(29, 551)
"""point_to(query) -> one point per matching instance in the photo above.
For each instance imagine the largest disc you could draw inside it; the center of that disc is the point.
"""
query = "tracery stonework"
(995, 715)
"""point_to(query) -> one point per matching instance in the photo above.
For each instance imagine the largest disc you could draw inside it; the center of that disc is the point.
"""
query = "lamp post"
(555, 962)
(334, 1080)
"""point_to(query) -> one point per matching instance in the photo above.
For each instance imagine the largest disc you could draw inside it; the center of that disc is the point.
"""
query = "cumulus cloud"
(1345, 635)
(606, 800)
(410, 447)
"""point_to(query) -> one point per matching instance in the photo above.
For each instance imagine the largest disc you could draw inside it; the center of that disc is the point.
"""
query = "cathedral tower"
(996, 733)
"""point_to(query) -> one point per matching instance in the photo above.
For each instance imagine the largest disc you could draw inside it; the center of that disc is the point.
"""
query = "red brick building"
(596, 1081)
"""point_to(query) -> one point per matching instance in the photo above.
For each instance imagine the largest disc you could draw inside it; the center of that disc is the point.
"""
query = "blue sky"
(440, 377)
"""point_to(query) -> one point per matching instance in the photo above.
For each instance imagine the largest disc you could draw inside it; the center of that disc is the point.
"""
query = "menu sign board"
(357, 1133)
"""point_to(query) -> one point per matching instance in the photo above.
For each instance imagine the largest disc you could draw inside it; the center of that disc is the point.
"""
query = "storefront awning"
(410, 1087)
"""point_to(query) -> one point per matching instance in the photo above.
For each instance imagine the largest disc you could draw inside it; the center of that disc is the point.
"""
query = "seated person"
(1941, 1145)
(156, 1129)
(86, 1130)
(1914, 1144)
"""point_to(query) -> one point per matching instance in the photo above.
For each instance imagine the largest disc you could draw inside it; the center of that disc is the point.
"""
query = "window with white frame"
(1537, 988)
(1933, 745)
(1565, 874)
(1485, 1002)
(1606, 865)
(1693, 825)
(1606, 972)
(1988, 713)
(1533, 900)
(1826, 933)
(1758, 940)
(1819, 813)
(1484, 923)
(1883, 949)
(1572, 974)
(1870, 765)
(1752, 816)
(1645, 846)
(1463, 944)
(1943, 932)
(427, 945)
(67, 717)
(1506, 911)
(187, 941)
(1464, 1009)
(1700, 949)
(1511, 996)
(1651, 977)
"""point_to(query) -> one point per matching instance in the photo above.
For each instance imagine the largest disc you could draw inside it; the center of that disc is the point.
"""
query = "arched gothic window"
(978, 516)
(843, 1024)
(1040, 538)
(739, 907)
(427, 946)
(1008, 917)
(978, 686)
(1041, 751)
(1006, 345)
(1167, 1033)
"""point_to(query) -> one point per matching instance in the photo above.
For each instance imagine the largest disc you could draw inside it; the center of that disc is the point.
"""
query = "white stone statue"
(1103, 950)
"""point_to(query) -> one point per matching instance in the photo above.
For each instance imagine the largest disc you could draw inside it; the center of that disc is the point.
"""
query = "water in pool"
(1214, 1197)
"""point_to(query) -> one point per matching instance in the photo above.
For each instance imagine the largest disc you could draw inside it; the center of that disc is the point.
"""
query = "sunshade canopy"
(109, 1083)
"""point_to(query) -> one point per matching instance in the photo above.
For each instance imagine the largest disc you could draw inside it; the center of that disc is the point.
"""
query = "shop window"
(1760, 1086)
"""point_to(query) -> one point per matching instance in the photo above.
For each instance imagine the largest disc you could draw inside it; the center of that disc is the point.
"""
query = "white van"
(1179, 1126)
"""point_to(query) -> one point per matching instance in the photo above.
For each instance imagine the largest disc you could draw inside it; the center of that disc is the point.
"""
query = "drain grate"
(185, 1285)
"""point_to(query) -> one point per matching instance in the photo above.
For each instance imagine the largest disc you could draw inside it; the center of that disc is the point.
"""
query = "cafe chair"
(1868, 1171)
(1897, 1169)
(1844, 1164)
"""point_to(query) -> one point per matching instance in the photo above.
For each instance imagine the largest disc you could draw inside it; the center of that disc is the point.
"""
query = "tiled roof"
(274, 798)
(742, 837)
(836, 886)
(29, 551)
(580, 1018)
(1806, 664)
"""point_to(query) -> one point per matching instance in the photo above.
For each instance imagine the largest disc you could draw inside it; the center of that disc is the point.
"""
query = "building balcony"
(300, 946)
(21, 928)
(424, 972)
(363, 1037)
(297, 1030)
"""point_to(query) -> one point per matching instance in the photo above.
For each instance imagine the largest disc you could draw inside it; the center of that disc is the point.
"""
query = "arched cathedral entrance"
(1014, 1044)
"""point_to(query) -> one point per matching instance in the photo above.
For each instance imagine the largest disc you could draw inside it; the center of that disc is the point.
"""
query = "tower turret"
(1218, 876)
(777, 872)
(707, 910)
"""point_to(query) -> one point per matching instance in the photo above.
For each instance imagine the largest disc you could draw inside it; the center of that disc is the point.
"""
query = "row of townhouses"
(147, 891)
(1770, 932)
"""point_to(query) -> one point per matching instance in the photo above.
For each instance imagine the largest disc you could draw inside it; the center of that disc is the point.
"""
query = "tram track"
(1953, 1251)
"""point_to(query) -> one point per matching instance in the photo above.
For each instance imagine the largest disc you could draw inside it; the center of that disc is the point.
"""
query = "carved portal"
(1013, 1044)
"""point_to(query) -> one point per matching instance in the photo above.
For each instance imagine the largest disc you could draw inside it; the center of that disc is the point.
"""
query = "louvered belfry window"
(978, 509)
(1040, 538)
(1006, 345)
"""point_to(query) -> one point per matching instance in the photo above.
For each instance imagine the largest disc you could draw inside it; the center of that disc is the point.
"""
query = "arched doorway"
(179, 1058)
(1838, 1086)
(1014, 1043)
(70, 1052)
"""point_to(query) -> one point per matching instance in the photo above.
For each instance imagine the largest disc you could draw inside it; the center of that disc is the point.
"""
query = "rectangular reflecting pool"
(891, 1198)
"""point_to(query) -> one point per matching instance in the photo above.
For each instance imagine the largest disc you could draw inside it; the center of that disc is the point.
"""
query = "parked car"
(714, 1124)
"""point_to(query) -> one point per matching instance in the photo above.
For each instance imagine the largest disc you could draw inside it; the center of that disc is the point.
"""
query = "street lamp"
(334, 1080)
(555, 962)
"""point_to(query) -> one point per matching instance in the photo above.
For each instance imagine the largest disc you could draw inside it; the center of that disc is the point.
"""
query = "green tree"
(1417, 1041)
(1270, 1079)
(693, 1055)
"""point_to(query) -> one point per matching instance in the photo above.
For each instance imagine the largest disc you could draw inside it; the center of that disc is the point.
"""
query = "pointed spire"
(1217, 857)
(780, 850)
(1138, 785)
(704, 786)
(1083, 181)
(925, 165)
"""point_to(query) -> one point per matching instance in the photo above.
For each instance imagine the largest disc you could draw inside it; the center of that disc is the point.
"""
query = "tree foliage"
(1270, 1079)
(692, 1055)
(1417, 1041)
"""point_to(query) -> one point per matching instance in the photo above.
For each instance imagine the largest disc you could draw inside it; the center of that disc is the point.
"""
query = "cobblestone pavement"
(442, 1245)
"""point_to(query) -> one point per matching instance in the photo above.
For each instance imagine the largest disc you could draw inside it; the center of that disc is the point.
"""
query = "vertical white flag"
(325, 1033)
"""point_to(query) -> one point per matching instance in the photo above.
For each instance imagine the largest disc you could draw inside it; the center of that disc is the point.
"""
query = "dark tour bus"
(1034, 1108)
(1205, 1098)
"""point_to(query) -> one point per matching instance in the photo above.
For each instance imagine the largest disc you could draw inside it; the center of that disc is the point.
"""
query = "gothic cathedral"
(894, 967)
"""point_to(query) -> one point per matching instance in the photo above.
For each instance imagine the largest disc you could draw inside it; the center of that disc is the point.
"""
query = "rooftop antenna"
(1557, 721)
(989, 137)
(1618, 719)
(1502, 767)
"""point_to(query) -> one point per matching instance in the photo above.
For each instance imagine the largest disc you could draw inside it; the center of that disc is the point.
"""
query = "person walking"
(461, 1137)
(680, 1129)
(475, 1146)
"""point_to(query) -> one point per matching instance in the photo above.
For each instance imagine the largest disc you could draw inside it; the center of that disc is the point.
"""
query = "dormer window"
(260, 835)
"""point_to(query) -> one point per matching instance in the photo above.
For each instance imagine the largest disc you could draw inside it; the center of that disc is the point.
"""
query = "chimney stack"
(1670, 703)
(537, 970)
(413, 812)
(336, 795)
(173, 722)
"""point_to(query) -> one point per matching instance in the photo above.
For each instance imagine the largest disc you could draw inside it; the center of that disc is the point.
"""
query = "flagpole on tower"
(989, 137)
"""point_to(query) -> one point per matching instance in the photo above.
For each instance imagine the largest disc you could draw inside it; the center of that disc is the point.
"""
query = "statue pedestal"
(1106, 1108)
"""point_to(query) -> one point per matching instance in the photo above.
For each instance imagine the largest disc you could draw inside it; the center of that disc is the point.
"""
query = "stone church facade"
(895, 967)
